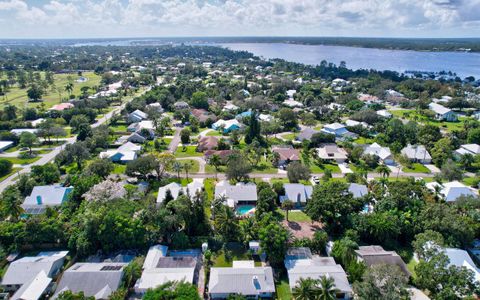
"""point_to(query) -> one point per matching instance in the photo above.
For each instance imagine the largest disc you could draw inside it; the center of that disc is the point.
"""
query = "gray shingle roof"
(375, 255)
(245, 281)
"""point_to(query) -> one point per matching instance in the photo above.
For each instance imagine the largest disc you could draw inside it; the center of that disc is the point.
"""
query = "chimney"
(39, 200)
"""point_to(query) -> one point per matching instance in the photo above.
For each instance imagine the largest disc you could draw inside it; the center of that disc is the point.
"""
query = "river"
(462, 63)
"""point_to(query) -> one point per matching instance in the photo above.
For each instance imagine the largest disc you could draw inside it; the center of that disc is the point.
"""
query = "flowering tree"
(106, 191)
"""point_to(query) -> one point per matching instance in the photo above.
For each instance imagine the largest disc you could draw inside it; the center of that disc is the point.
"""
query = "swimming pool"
(244, 209)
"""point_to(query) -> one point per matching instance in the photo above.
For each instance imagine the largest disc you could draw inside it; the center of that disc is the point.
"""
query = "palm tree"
(215, 161)
(11, 204)
(384, 170)
(287, 205)
(187, 166)
(306, 289)
(467, 160)
(69, 88)
(177, 167)
(327, 289)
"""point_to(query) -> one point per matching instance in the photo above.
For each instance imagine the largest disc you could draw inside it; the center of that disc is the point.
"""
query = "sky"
(167, 18)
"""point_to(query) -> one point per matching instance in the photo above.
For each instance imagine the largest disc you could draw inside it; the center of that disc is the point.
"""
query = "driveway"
(175, 141)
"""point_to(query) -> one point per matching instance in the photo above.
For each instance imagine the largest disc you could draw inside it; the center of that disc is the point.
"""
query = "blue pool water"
(242, 210)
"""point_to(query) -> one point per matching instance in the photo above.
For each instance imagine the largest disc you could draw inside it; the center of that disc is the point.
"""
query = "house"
(203, 115)
(451, 191)
(292, 103)
(4, 145)
(460, 258)
(207, 143)
(98, 280)
(384, 113)
(62, 106)
(417, 153)
(19, 131)
(337, 129)
(142, 126)
(300, 263)
(265, 118)
(375, 255)
(339, 82)
(136, 138)
(37, 122)
(306, 134)
(158, 268)
(287, 155)
(179, 105)
(358, 190)
(45, 196)
(123, 154)
(383, 153)
(353, 123)
(33, 274)
(156, 107)
(137, 116)
(336, 106)
(227, 126)
(291, 93)
(176, 189)
(332, 152)
(230, 107)
(223, 154)
(442, 113)
(243, 278)
(472, 149)
(238, 194)
(297, 193)
(245, 114)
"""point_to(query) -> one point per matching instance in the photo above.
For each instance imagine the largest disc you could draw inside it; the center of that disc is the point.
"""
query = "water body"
(462, 63)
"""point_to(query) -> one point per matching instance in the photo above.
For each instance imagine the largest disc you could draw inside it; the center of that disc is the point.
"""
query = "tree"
(288, 118)
(185, 136)
(68, 295)
(45, 174)
(187, 166)
(107, 190)
(10, 203)
(199, 100)
(274, 241)
(266, 201)
(141, 166)
(77, 121)
(173, 290)
(5, 167)
(451, 171)
(344, 251)
(100, 167)
(427, 239)
(28, 140)
(177, 167)
(382, 282)
(326, 289)
(35, 93)
(441, 151)
(132, 272)
(287, 205)
(297, 171)
(253, 130)
(238, 167)
(428, 135)
(163, 163)
(305, 289)
(332, 204)
(69, 88)
(215, 161)
(78, 152)
(225, 223)
(384, 170)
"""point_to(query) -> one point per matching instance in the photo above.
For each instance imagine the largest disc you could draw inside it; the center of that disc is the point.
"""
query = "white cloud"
(74, 18)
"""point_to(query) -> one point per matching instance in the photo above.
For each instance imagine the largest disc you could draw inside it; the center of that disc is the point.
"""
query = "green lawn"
(22, 161)
(470, 181)
(411, 267)
(19, 98)
(364, 141)
(214, 133)
(416, 168)
(14, 170)
(295, 216)
(416, 116)
(317, 169)
(195, 166)
(119, 169)
(282, 289)
(119, 127)
(237, 253)
(265, 167)
(189, 151)
(289, 136)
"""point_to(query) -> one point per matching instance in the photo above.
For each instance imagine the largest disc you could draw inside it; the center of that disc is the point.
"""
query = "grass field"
(283, 289)
(237, 253)
(295, 216)
(14, 170)
(189, 151)
(195, 166)
(416, 116)
(416, 168)
(19, 98)
(22, 161)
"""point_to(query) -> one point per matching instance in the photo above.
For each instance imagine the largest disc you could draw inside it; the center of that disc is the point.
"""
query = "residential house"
(31, 276)
(301, 264)
(298, 193)
(286, 155)
(384, 113)
(37, 122)
(179, 105)
(136, 138)
(227, 126)
(461, 258)
(62, 106)
(223, 154)
(207, 143)
(358, 190)
(45, 196)
(142, 127)
(203, 115)
(123, 154)
(291, 93)
(230, 107)
(417, 153)
(156, 107)
(19, 131)
(442, 113)
(137, 116)
(375, 255)
(292, 103)
(243, 278)
(265, 118)
(238, 194)
(337, 129)
(353, 123)
(332, 152)
(451, 191)
(245, 114)
(158, 268)
(177, 189)
(472, 149)
(98, 280)
(4, 145)
(306, 134)
(336, 106)
(383, 153)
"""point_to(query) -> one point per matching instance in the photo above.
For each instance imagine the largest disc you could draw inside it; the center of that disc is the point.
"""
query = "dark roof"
(288, 154)
(207, 143)
(376, 255)
(177, 262)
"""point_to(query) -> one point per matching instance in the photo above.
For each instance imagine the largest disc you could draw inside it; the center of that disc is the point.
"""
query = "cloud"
(91, 18)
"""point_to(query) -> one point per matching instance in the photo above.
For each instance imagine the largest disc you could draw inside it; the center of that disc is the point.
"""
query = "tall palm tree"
(69, 88)
(215, 161)
(187, 166)
(287, 205)
(177, 167)
(306, 289)
(327, 289)
(384, 170)
(11, 205)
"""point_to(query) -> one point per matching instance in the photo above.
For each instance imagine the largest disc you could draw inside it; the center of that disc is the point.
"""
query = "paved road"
(175, 140)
